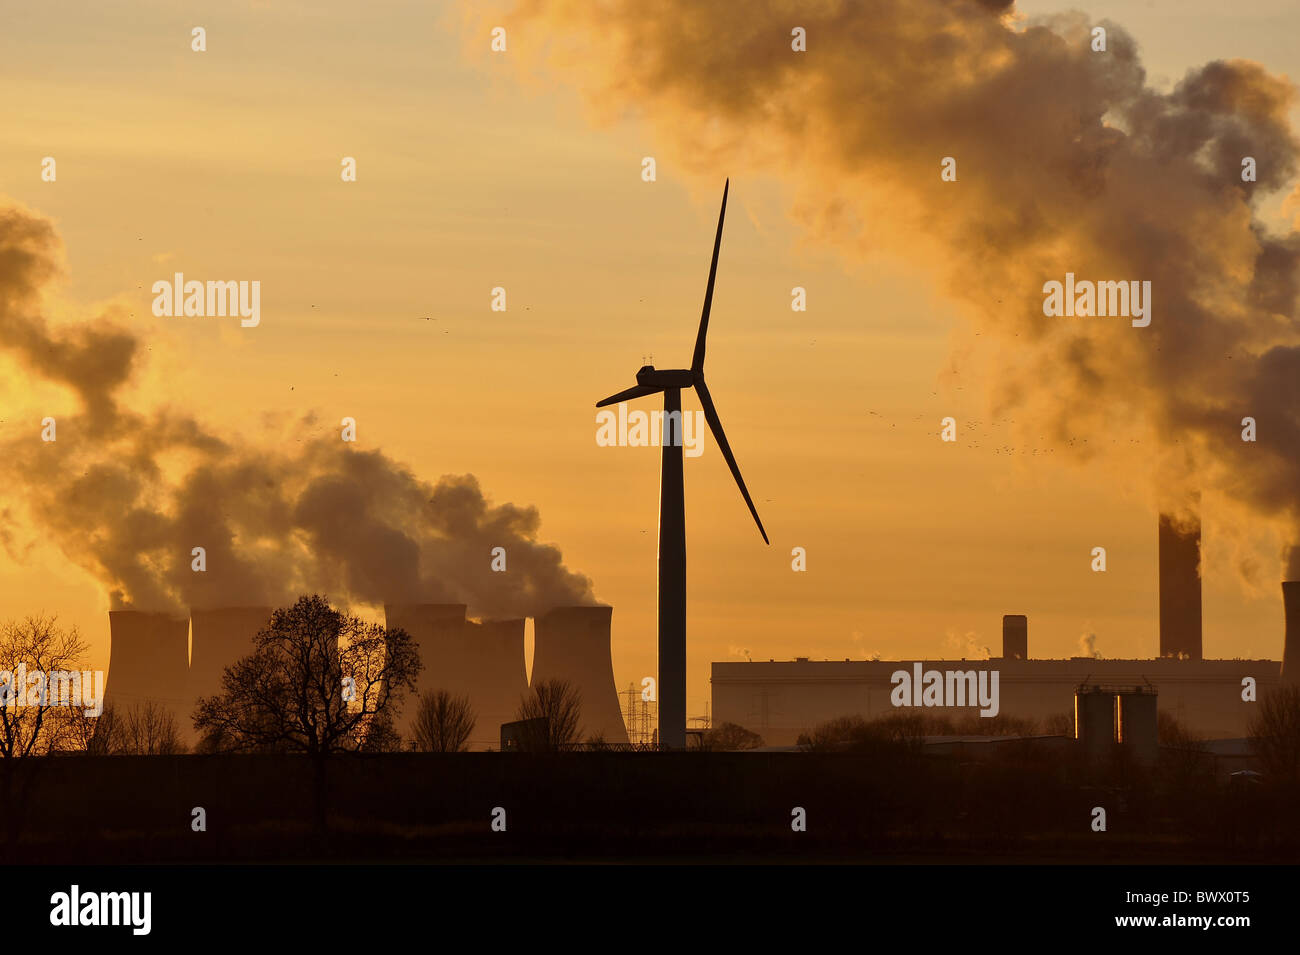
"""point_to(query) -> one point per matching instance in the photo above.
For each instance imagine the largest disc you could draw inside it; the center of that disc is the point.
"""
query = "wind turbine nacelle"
(652, 377)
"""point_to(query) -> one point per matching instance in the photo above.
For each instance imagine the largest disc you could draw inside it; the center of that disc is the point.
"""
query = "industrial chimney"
(218, 638)
(573, 643)
(1291, 648)
(1015, 636)
(148, 660)
(1180, 589)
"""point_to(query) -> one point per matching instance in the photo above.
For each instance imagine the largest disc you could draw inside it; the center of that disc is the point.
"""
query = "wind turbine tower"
(672, 508)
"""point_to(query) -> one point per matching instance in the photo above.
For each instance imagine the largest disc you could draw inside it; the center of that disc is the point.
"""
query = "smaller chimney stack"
(1015, 637)
(1291, 646)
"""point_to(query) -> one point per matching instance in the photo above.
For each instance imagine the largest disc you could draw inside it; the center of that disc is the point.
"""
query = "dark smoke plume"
(1067, 161)
(127, 495)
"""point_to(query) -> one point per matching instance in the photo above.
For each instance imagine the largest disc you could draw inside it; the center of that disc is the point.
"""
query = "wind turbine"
(672, 508)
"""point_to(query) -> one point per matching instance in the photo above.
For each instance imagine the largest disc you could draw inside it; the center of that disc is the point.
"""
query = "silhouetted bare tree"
(1275, 734)
(37, 722)
(318, 682)
(729, 737)
(1059, 724)
(381, 735)
(443, 723)
(146, 728)
(560, 703)
(35, 719)
(1004, 724)
(1181, 752)
(892, 734)
(81, 731)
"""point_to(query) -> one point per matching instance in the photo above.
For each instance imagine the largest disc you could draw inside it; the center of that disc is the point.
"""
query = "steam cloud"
(968, 645)
(127, 495)
(1066, 161)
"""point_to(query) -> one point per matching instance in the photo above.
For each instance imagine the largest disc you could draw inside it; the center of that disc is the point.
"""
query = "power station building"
(782, 700)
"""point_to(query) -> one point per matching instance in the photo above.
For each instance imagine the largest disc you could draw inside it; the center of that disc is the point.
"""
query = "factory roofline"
(911, 660)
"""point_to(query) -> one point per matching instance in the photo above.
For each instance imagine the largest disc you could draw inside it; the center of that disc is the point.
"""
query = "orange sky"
(225, 164)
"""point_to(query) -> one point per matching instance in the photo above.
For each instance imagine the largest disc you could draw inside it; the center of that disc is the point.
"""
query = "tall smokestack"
(1291, 648)
(148, 660)
(438, 631)
(218, 639)
(1180, 589)
(1015, 636)
(572, 643)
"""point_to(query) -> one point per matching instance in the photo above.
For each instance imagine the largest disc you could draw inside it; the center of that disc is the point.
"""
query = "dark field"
(645, 807)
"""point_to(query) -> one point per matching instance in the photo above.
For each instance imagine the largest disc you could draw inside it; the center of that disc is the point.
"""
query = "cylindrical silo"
(1136, 723)
(1094, 719)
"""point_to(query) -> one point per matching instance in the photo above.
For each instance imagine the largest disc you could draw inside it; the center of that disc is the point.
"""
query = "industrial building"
(782, 700)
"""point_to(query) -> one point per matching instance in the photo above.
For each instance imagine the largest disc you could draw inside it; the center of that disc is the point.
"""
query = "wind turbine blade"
(715, 425)
(637, 391)
(697, 362)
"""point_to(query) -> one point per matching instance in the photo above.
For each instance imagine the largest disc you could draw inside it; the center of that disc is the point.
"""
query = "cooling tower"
(218, 638)
(148, 659)
(1291, 648)
(1180, 589)
(572, 643)
(1015, 637)
(497, 676)
(439, 634)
